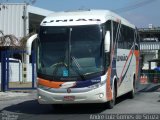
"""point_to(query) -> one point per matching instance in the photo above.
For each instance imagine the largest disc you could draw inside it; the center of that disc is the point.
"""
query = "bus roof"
(83, 17)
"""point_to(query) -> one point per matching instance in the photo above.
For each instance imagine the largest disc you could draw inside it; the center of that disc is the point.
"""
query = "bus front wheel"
(111, 103)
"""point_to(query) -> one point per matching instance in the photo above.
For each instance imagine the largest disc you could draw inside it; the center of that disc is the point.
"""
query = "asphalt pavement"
(24, 106)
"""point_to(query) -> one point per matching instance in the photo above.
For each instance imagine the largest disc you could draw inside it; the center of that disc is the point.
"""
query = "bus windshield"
(70, 52)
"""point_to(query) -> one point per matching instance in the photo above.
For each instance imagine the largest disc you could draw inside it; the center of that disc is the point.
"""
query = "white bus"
(87, 56)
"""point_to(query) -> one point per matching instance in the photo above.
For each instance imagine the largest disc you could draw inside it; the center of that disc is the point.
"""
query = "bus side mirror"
(29, 43)
(107, 41)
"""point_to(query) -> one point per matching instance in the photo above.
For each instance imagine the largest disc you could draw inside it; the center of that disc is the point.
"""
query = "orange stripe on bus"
(108, 87)
(136, 53)
(48, 83)
(108, 81)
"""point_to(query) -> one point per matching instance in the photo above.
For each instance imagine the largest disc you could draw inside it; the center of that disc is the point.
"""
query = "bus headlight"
(97, 85)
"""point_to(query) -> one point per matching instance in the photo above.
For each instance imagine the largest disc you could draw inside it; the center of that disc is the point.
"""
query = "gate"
(15, 74)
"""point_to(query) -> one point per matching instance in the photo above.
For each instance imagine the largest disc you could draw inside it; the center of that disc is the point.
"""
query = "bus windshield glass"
(70, 52)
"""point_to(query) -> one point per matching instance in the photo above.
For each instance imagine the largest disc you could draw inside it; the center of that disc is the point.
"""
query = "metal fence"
(13, 71)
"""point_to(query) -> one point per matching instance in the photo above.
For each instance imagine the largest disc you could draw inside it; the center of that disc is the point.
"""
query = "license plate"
(69, 98)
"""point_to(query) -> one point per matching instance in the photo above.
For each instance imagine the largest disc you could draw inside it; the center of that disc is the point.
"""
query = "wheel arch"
(114, 84)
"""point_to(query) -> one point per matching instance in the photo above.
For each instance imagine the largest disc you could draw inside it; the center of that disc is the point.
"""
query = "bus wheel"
(111, 103)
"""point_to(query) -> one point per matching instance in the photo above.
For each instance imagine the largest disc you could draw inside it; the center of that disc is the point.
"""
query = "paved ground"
(24, 106)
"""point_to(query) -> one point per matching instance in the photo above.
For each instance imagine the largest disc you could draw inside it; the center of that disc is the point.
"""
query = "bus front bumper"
(97, 95)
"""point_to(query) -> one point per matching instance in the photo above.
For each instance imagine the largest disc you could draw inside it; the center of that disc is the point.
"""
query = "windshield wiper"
(76, 63)
(78, 68)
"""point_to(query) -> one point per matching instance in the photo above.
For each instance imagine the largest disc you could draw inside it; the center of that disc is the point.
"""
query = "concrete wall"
(16, 74)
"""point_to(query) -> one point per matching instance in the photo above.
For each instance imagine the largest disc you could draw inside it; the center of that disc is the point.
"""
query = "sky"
(139, 12)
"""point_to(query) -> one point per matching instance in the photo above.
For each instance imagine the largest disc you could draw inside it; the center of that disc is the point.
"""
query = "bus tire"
(111, 103)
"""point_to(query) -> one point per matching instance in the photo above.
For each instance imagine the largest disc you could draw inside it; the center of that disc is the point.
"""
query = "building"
(20, 19)
(150, 47)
